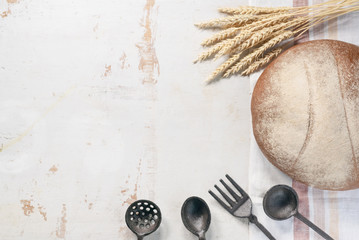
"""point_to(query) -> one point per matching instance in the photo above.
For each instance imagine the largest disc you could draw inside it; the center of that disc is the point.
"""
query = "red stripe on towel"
(301, 231)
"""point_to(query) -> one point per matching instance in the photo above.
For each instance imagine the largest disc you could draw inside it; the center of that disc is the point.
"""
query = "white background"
(79, 142)
(101, 105)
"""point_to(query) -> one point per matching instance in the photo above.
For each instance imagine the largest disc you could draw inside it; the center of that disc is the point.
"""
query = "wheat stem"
(250, 34)
(224, 66)
(258, 52)
(262, 61)
(258, 37)
(253, 10)
(207, 54)
(227, 33)
(231, 21)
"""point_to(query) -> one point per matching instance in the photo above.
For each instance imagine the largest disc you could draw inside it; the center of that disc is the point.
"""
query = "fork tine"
(244, 194)
(225, 196)
(219, 200)
(235, 195)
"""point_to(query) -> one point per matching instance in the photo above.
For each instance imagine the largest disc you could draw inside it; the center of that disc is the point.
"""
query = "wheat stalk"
(262, 61)
(224, 66)
(250, 36)
(245, 32)
(258, 52)
(254, 10)
(231, 21)
(227, 33)
(207, 54)
(258, 37)
(270, 20)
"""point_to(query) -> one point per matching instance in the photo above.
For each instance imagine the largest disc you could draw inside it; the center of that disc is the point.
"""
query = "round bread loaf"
(305, 113)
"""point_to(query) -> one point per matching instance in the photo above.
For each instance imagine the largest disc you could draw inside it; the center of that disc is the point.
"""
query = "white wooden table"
(101, 105)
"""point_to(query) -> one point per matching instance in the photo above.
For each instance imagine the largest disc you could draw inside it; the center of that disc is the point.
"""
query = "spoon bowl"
(280, 202)
(196, 216)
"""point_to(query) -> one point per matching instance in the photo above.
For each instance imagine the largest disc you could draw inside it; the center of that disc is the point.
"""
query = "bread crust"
(305, 114)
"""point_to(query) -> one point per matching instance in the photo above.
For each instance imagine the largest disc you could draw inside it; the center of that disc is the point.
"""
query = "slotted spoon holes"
(143, 217)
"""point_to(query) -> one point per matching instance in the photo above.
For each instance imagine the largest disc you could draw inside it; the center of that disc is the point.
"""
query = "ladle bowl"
(281, 202)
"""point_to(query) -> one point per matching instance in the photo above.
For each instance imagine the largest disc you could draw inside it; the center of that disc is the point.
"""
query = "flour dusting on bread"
(305, 111)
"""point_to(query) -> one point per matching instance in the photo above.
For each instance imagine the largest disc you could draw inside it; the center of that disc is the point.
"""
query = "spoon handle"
(201, 236)
(253, 219)
(139, 237)
(313, 226)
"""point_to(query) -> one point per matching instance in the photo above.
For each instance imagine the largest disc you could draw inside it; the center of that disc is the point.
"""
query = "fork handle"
(253, 219)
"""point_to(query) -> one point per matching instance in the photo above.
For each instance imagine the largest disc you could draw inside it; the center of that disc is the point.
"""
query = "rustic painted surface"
(101, 105)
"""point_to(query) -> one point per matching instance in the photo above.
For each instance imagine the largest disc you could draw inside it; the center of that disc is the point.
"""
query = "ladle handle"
(313, 226)
(253, 219)
(139, 237)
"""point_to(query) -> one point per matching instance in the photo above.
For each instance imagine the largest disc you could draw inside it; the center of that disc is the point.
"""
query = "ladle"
(281, 202)
(143, 217)
(196, 216)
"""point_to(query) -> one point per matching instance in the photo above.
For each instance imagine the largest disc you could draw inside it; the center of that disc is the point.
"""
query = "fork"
(241, 206)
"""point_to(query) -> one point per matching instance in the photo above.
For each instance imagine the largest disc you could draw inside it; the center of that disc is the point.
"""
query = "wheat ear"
(207, 54)
(246, 32)
(231, 21)
(224, 66)
(256, 38)
(230, 43)
(227, 33)
(283, 35)
(269, 21)
(266, 33)
(254, 10)
(262, 61)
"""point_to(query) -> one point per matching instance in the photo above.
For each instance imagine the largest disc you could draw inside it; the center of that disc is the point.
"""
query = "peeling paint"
(148, 59)
(42, 212)
(124, 190)
(123, 60)
(133, 197)
(5, 13)
(108, 70)
(90, 206)
(53, 169)
(8, 12)
(27, 207)
(61, 224)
